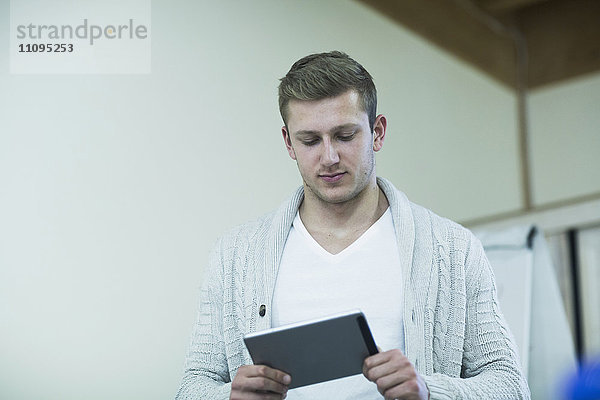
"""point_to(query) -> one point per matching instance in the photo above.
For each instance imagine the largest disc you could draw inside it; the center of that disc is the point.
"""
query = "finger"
(252, 379)
(271, 373)
(407, 390)
(270, 395)
(262, 396)
(386, 370)
(264, 384)
(394, 366)
(382, 358)
(387, 382)
(375, 360)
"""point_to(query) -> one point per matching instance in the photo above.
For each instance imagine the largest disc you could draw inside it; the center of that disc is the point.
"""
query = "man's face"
(332, 143)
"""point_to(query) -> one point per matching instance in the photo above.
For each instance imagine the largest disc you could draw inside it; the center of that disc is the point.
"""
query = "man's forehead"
(325, 114)
(349, 99)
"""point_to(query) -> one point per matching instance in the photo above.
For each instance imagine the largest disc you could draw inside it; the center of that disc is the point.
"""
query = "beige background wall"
(113, 187)
(565, 137)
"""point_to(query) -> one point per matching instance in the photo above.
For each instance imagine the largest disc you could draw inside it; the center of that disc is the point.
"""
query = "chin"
(335, 196)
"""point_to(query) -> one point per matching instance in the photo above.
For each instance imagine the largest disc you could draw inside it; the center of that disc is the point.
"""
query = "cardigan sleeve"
(490, 365)
(206, 374)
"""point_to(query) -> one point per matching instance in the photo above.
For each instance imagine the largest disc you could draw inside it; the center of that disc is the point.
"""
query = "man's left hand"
(395, 376)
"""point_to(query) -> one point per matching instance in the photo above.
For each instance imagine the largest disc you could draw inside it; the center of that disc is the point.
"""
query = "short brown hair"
(322, 75)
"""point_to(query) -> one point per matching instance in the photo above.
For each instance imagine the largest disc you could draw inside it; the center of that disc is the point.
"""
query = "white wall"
(113, 187)
(452, 133)
(565, 139)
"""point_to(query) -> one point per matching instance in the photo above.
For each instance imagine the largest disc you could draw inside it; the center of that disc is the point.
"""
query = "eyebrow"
(334, 129)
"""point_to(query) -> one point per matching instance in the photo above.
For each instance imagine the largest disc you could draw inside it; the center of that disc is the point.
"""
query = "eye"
(310, 142)
(346, 136)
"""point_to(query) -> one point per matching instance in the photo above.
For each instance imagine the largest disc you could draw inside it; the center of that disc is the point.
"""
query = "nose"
(330, 154)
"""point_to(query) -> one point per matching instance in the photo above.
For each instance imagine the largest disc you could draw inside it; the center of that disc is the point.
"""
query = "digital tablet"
(317, 350)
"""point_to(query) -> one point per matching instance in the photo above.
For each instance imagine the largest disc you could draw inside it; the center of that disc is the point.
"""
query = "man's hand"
(259, 382)
(395, 376)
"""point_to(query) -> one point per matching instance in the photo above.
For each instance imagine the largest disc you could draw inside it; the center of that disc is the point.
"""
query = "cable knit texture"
(456, 336)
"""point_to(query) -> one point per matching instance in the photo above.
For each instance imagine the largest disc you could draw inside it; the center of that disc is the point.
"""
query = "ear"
(379, 128)
(288, 142)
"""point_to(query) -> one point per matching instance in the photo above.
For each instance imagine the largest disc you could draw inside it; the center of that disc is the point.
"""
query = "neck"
(357, 214)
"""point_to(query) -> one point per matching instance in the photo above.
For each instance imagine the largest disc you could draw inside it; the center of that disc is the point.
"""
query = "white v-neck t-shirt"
(367, 275)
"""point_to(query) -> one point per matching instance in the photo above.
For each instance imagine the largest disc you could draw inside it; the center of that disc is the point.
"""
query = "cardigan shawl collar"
(281, 224)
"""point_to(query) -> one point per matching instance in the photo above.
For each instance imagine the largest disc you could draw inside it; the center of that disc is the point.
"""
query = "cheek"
(360, 153)
(307, 156)
(303, 160)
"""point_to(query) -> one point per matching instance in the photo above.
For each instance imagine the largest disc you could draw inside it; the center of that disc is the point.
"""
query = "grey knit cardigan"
(455, 334)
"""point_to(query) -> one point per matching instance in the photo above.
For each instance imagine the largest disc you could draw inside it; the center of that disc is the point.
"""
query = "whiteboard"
(513, 270)
(512, 262)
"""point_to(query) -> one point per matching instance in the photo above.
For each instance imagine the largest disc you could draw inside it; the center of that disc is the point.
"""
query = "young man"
(348, 239)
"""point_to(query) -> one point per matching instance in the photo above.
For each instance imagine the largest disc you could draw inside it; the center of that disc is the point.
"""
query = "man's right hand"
(259, 382)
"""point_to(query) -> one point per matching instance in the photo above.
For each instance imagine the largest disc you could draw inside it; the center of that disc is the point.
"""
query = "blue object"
(585, 384)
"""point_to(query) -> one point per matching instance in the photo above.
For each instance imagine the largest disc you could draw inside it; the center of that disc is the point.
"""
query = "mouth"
(330, 178)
